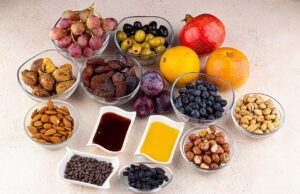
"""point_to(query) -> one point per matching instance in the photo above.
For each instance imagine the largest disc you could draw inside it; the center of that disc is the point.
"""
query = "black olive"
(154, 32)
(137, 25)
(153, 25)
(146, 29)
(127, 28)
(163, 31)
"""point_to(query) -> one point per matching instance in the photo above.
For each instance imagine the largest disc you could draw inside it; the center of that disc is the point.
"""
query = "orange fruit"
(177, 61)
(229, 64)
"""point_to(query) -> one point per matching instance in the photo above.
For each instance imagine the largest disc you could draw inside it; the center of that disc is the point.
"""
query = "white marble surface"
(268, 32)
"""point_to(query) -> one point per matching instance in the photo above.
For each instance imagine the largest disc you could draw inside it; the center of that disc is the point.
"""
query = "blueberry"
(217, 107)
(197, 99)
(189, 86)
(199, 82)
(125, 173)
(223, 103)
(160, 171)
(218, 98)
(212, 93)
(182, 91)
(209, 110)
(196, 106)
(181, 109)
(166, 178)
(195, 114)
(214, 88)
(185, 99)
(222, 110)
(202, 104)
(191, 98)
(178, 102)
(209, 103)
(218, 114)
(202, 112)
(205, 94)
(211, 98)
(197, 92)
(191, 91)
(132, 184)
(188, 109)
(200, 87)
(211, 117)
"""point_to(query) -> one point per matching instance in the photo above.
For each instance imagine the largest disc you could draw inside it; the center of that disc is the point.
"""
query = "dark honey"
(111, 131)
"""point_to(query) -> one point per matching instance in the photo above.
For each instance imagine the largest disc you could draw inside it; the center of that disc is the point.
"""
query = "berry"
(189, 86)
(195, 114)
(223, 103)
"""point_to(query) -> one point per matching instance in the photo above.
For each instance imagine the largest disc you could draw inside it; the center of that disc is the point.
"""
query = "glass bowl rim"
(202, 120)
(75, 130)
(171, 34)
(253, 135)
(228, 135)
(145, 163)
(106, 39)
(56, 95)
(113, 98)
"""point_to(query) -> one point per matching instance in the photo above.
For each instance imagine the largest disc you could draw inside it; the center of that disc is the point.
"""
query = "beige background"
(268, 32)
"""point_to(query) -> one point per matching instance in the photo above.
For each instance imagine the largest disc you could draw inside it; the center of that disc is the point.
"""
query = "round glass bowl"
(82, 58)
(277, 105)
(114, 100)
(195, 130)
(73, 112)
(58, 60)
(123, 179)
(149, 59)
(225, 90)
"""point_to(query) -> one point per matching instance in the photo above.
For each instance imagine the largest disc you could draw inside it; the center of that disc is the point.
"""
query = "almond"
(55, 139)
(37, 123)
(50, 112)
(37, 136)
(50, 132)
(67, 122)
(42, 141)
(45, 118)
(54, 120)
(47, 126)
(58, 128)
(32, 129)
(50, 105)
(36, 117)
(35, 112)
(42, 110)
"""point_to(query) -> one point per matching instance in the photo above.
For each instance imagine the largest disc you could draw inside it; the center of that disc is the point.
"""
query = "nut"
(196, 150)
(202, 133)
(215, 158)
(192, 137)
(206, 159)
(188, 146)
(220, 140)
(204, 166)
(197, 159)
(204, 146)
(225, 157)
(197, 141)
(213, 166)
(210, 136)
(226, 147)
(214, 148)
(189, 156)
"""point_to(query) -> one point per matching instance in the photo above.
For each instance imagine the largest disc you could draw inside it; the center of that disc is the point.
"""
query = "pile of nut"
(51, 124)
(109, 79)
(46, 79)
(257, 115)
(208, 149)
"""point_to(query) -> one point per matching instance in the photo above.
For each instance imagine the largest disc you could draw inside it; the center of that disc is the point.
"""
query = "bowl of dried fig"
(111, 79)
(49, 75)
(52, 124)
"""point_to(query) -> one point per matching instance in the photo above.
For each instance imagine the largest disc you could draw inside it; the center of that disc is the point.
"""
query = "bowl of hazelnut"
(208, 149)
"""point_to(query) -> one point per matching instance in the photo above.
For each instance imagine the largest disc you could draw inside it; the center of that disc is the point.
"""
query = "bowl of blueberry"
(144, 38)
(145, 177)
(205, 100)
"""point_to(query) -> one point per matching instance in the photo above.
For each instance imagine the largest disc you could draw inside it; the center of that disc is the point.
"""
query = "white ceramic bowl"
(70, 152)
(130, 115)
(158, 118)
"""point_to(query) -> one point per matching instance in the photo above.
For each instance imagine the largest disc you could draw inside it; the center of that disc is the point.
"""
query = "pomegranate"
(203, 33)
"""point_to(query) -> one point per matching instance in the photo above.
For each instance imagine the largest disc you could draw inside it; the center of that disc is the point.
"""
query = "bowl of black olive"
(144, 38)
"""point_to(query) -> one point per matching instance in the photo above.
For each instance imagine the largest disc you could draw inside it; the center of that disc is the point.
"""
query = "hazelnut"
(220, 134)
(202, 133)
(226, 147)
(189, 156)
(203, 165)
(225, 157)
(206, 159)
(207, 153)
(204, 146)
(197, 159)
(212, 129)
(196, 150)
(188, 146)
(220, 140)
(212, 142)
(213, 166)
(220, 150)
(215, 158)
(192, 137)
(214, 148)
(210, 136)
(197, 141)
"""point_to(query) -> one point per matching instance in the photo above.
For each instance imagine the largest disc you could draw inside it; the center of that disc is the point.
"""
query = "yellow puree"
(159, 141)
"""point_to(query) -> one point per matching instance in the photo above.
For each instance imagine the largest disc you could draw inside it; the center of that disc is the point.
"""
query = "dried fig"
(162, 102)
(95, 62)
(102, 69)
(36, 65)
(131, 81)
(63, 86)
(62, 74)
(105, 89)
(120, 84)
(30, 78)
(40, 91)
(129, 72)
(86, 75)
(47, 66)
(115, 65)
(47, 81)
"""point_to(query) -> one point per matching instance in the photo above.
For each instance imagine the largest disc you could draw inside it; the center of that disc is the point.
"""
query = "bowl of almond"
(52, 124)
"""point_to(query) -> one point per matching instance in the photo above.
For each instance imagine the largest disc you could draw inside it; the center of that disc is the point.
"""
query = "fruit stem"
(187, 18)
(73, 39)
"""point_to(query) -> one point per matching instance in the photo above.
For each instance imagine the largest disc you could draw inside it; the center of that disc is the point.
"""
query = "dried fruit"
(29, 77)
(152, 83)
(64, 73)
(63, 86)
(120, 84)
(162, 102)
(144, 106)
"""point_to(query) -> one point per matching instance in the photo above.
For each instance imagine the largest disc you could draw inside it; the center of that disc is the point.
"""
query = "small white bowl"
(70, 152)
(105, 109)
(158, 118)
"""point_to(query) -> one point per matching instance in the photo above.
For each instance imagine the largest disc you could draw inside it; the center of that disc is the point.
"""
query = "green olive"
(160, 48)
(121, 36)
(126, 44)
(145, 45)
(130, 50)
(162, 40)
(154, 42)
(146, 51)
(137, 48)
(148, 37)
(139, 36)
(132, 39)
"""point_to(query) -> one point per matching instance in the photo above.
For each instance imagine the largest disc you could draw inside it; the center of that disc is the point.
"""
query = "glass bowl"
(281, 114)
(82, 58)
(114, 100)
(226, 91)
(123, 179)
(73, 112)
(195, 130)
(58, 61)
(151, 59)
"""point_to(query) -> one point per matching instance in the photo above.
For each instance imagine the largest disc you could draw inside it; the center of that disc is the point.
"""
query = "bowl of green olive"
(144, 38)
